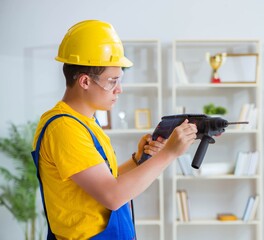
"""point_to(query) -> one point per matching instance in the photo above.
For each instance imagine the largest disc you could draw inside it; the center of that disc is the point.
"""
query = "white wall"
(32, 24)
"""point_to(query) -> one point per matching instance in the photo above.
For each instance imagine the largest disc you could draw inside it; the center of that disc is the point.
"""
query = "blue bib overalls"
(120, 225)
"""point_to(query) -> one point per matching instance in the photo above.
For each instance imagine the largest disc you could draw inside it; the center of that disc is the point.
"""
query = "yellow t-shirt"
(67, 148)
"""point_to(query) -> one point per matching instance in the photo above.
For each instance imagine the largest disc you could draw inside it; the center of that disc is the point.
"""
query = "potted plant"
(18, 193)
(211, 109)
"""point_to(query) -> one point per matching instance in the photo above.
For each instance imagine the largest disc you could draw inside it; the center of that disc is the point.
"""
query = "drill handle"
(144, 158)
(200, 152)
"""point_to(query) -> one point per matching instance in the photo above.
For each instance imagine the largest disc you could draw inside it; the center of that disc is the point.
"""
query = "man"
(85, 192)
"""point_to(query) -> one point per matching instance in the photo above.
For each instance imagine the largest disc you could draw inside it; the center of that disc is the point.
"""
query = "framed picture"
(239, 68)
(104, 118)
(142, 118)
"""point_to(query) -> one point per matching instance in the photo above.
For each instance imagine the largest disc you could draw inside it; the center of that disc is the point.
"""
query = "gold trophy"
(216, 62)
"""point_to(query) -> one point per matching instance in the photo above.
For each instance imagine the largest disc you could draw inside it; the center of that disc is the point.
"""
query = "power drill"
(207, 128)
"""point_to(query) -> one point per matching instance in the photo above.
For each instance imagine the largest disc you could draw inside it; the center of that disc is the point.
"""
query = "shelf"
(220, 85)
(148, 222)
(217, 177)
(128, 131)
(216, 222)
(213, 42)
(240, 131)
(140, 85)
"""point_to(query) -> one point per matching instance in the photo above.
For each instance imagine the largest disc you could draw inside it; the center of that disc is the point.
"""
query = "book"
(183, 205)
(246, 163)
(226, 217)
(243, 115)
(181, 73)
(179, 205)
(252, 215)
(241, 164)
(251, 118)
(248, 209)
(248, 113)
(253, 163)
(179, 110)
(185, 162)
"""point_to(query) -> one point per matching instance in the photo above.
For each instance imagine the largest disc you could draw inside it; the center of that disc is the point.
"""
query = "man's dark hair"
(71, 72)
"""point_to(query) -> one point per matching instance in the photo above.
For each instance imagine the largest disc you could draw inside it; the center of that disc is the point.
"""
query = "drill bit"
(229, 123)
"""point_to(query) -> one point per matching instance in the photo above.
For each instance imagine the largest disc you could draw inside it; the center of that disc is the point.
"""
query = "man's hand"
(148, 146)
(181, 138)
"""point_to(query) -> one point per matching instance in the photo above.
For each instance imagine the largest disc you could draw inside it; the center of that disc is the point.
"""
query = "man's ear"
(84, 81)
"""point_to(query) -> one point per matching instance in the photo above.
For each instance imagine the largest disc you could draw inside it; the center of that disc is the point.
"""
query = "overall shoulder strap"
(95, 140)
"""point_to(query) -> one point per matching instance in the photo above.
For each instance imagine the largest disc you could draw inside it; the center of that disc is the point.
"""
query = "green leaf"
(211, 109)
(18, 193)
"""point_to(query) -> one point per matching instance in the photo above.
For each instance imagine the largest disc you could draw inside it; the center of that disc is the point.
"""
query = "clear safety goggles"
(108, 84)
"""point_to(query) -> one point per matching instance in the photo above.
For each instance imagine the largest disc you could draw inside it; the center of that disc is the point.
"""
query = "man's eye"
(114, 81)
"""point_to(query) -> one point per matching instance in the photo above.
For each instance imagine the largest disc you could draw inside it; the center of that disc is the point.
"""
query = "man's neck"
(77, 104)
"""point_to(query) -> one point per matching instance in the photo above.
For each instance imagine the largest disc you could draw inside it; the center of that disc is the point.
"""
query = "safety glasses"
(107, 84)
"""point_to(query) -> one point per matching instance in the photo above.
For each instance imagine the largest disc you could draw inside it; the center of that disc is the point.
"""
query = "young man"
(85, 192)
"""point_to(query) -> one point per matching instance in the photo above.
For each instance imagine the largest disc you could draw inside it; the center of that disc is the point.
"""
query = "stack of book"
(251, 208)
(248, 113)
(246, 163)
(183, 205)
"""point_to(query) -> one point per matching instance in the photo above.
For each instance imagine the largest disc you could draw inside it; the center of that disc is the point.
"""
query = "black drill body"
(207, 128)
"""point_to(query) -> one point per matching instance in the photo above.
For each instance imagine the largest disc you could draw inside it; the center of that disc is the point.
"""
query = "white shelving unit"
(141, 86)
(210, 195)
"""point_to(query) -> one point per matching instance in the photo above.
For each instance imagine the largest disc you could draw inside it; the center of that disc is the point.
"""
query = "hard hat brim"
(123, 62)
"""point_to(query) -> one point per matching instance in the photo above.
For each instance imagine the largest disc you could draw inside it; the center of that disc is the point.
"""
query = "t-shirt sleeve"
(71, 148)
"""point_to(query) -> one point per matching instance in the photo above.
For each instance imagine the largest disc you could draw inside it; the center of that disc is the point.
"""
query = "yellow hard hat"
(92, 43)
